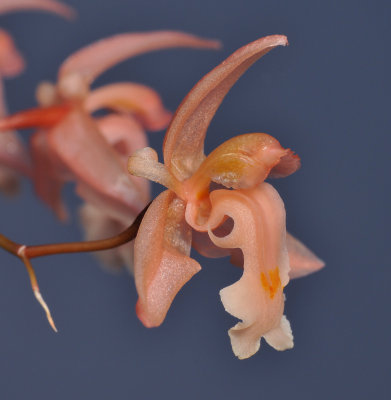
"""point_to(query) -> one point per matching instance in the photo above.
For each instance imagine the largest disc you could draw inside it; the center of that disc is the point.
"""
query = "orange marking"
(274, 284)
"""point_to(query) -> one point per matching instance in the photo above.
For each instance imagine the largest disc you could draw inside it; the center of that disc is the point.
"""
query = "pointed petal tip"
(214, 44)
(143, 316)
(301, 259)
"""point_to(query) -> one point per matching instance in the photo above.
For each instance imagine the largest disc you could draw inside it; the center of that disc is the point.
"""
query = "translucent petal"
(184, 142)
(126, 136)
(257, 299)
(100, 175)
(98, 225)
(162, 262)
(123, 133)
(91, 61)
(202, 243)
(302, 260)
(47, 179)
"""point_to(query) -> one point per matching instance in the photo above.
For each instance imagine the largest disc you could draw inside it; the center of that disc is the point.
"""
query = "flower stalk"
(25, 253)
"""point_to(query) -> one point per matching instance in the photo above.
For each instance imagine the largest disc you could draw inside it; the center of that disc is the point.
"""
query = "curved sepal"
(140, 100)
(161, 257)
(91, 61)
(257, 299)
(52, 6)
(184, 141)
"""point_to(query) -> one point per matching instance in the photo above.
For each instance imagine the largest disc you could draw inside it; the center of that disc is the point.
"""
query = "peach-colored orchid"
(14, 158)
(71, 145)
(162, 246)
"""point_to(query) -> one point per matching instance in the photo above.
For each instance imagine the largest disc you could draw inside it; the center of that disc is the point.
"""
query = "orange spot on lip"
(271, 282)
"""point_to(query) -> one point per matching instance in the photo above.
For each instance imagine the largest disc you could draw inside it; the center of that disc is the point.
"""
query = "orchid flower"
(14, 158)
(250, 217)
(72, 145)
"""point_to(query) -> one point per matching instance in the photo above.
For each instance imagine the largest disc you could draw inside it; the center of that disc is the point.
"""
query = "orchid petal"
(11, 60)
(122, 132)
(126, 136)
(98, 225)
(184, 142)
(52, 6)
(45, 117)
(100, 175)
(203, 244)
(161, 257)
(47, 181)
(302, 260)
(257, 298)
(93, 60)
(242, 162)
(138, 99)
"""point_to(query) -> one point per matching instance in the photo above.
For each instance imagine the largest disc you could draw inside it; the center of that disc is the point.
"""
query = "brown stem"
(74, 247)
(25, 253)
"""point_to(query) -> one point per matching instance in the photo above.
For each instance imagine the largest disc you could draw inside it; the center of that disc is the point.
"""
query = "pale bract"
(244, 217)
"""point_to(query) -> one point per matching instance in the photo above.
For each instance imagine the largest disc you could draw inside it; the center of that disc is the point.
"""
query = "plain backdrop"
(327, 96)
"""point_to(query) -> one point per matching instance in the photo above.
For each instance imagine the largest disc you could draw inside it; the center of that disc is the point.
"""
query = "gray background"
(327, 96)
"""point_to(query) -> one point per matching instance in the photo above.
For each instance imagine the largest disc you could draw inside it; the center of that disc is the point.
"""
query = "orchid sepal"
(183, 147)
(162, 264)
